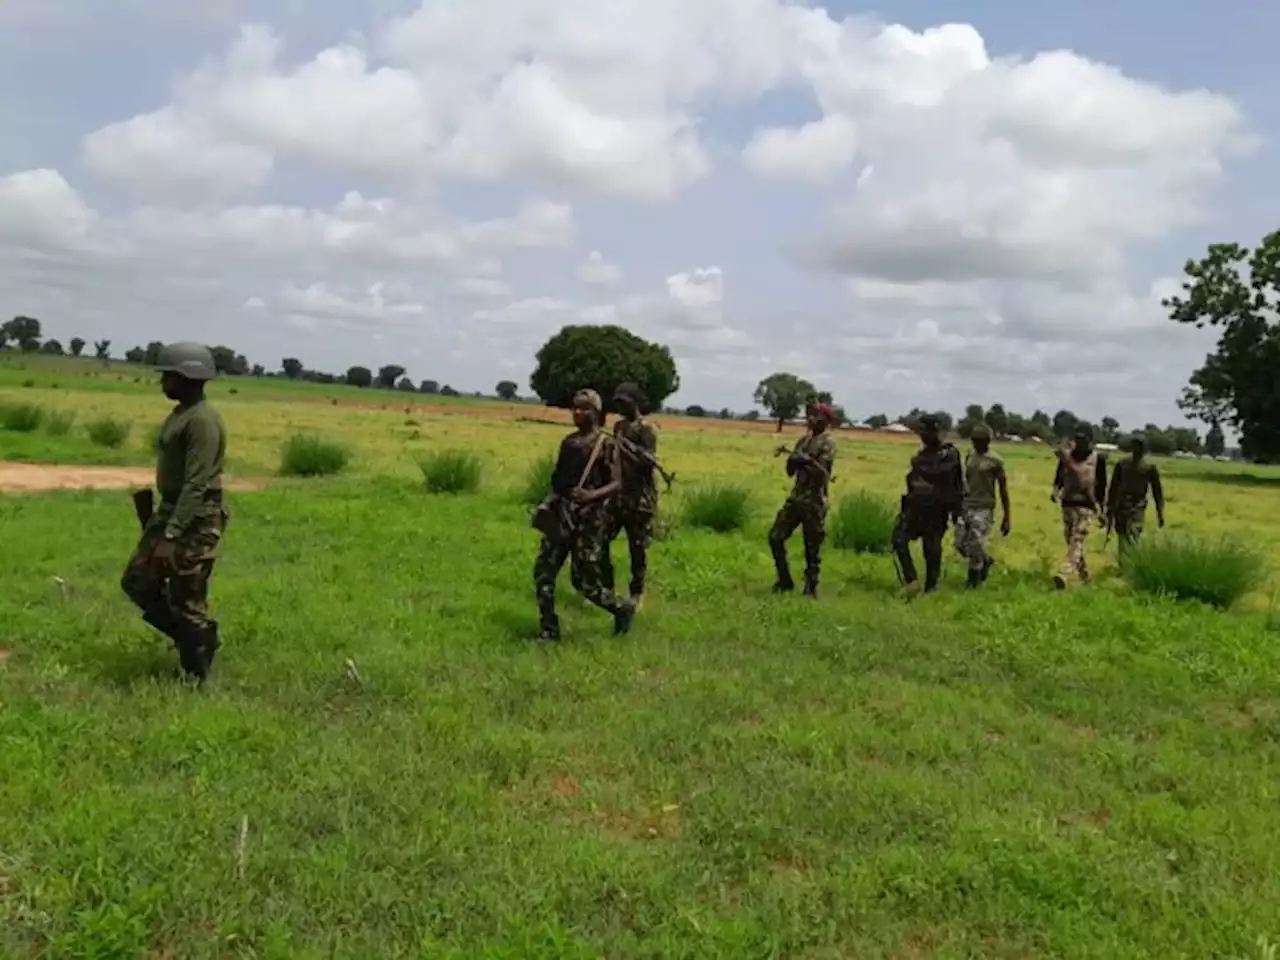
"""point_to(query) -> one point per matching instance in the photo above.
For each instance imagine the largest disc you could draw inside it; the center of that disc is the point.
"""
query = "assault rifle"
(805, 458)
(633, 449)
(144, 505)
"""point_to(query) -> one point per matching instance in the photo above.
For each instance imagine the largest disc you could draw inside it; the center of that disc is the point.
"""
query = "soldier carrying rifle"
(810, 463)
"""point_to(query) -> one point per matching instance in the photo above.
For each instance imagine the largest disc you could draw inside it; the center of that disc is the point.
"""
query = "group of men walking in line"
(604, 485)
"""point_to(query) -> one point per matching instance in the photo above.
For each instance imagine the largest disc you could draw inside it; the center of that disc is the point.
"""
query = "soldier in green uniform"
(1080, 487)
(984, 474)
(1127, 501)
(810, 463)
(935, 488)
(168, 574)
(633, 509)
(573, 519)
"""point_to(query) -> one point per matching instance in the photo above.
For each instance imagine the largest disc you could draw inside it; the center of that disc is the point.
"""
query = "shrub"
(307, 455)
(109, 432)
(451, 471)
(60, 422)
(537, 480)
(863, 522)
(1218, 572)
(719, 508)
(21, 417)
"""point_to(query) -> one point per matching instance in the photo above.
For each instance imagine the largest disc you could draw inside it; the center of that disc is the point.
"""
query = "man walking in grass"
(168, 574)
(1080, 487)
(984, 474)
(810, 463)
(935, 490)
(633, 509)
(573, 519)
(1127, 503)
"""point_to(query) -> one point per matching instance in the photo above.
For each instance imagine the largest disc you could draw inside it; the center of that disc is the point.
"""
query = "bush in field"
(537, 480)
(1217, 572)
(720, 508)
(452, 471)
(21, 417)
(863, 522)
(59, 423)
(109, 432)
(307, 455)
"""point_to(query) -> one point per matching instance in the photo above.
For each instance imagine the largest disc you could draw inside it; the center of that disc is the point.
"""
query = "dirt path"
(41, 477)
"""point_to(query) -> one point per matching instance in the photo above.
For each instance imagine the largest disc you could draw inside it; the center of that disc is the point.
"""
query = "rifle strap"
(591, 461)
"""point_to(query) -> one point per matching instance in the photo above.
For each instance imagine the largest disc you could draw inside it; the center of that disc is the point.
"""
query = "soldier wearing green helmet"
(1127, 501)
(168, 574)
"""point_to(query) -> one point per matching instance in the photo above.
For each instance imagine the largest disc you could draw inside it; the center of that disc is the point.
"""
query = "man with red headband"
(810, 463)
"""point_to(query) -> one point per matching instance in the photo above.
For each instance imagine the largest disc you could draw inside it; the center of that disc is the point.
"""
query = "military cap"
(930, 422)
(1138, 440)
(590, 398)
(981, 432)
(1084, 431)
(191, 360)
(631, 391)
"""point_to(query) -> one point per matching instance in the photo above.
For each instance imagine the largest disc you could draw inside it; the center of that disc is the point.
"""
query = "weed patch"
(1218, 572)
(21, 417)
(721, 508)
(452, 471)
(863, 523)
(308, 455)
(109, 432)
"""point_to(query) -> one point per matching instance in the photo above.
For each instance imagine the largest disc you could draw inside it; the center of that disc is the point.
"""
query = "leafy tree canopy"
(601, 358)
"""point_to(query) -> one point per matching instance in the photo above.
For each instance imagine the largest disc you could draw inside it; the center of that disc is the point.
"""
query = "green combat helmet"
(191, 360)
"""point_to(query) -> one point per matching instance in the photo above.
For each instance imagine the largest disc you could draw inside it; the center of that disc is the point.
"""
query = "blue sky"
(971, 217)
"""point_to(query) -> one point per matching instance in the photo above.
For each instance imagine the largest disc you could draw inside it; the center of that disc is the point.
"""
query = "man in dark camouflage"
(935, 487)
(1127, 501)
(168, 574)
(810, 463)
(587, 473)
(633, 509)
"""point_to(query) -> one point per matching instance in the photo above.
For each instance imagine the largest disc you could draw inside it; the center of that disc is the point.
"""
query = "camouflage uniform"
(1127, 505)
(1082, 485)
(633, 509)
(173, 597)
(935, 485)
(810, 463)
(982, 473)
(585, 541)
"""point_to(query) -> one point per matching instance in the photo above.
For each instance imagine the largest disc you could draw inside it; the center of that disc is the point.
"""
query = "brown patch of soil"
(42, 477)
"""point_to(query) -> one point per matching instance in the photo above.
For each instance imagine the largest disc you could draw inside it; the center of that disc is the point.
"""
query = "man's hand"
(582, 497)
(1005, 526)
(163, 553)
(1055, 495)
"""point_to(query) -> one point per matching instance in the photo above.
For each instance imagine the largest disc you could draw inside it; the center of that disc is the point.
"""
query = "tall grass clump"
(451, 471)
(59, 423)
(21, 417)
(1216, 572)
(308, 455)
(864, 522)
(721, 508)
(537, 480)
(109, 432)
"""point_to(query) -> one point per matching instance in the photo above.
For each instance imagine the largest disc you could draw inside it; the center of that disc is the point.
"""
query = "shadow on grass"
(1234, 479)
(516, 627)
(127, 666)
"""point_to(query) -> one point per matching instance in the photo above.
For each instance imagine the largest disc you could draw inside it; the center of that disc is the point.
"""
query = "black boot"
(622, 618)
(190, 657)
(549, 631)
(162, 621)
(811, 586)
(784, 586)
(975, 578)
(209, 644)
(987, 564)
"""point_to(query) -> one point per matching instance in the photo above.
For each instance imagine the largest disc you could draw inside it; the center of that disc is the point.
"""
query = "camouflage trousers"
(174, 597)
(637, 522)
(929, 526)
(973, 529)
(811, 518)
(1076, 522)
(1128, 529)
(586, 546)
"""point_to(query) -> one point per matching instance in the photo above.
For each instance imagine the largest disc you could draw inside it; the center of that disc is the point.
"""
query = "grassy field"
(384, 766)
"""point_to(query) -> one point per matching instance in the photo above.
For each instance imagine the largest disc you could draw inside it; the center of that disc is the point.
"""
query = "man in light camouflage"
(168, 574)
(1127, 503)
(810, 463)
(587, 474)
(984, 475)
(635, 505)
(1080, 486)
(935, 490)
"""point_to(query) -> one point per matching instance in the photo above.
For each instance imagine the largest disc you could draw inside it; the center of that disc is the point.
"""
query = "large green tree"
(600, 358)
(783, 395)
(1236, 290)
(25, 332)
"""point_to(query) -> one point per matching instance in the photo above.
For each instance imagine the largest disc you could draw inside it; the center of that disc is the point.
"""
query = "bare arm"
(1100, 482)
(1002, 484)
(1157, 493)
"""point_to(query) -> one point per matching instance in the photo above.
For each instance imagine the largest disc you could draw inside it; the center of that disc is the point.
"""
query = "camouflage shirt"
(936, 479)
(639, 486)
(1130, 482)
(811, 463)
(575, 453)
(190, 450)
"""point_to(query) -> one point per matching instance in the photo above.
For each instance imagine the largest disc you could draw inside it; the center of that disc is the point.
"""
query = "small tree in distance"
(388, 375)
(1215, 443)
(77, 346)
(102, 349)
(359, 377)
(292, 367)
(507, 390)
(783, 396)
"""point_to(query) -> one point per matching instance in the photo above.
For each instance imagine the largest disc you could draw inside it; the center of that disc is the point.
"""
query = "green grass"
(60, 423)
(21, 417)
(722, 508)
(308, 455)
(1217, 572)
(109, 432)
(452, 471)
(1013, 773)
(863, 522)
(537, 480)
